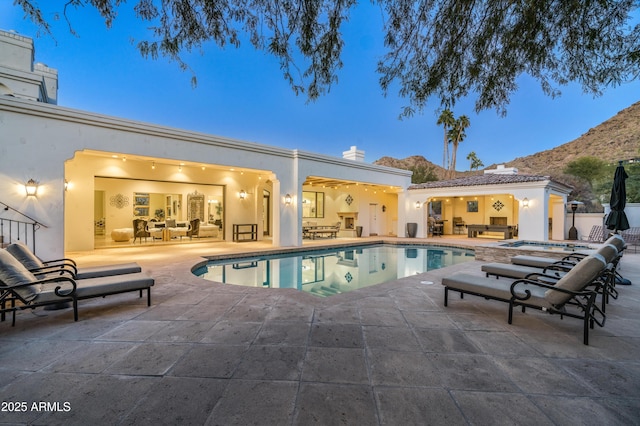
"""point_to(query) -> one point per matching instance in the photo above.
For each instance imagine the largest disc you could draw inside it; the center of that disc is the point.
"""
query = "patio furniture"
(38, 267)
(194, 228)
(122, 234)
(331, 231)
(177, 229)
(474, 230)
(435, 227)
(208, 230)
(596, 234)
(458, 225)
(140, 230)
(245, 232)
(156, 230)
(566, 296)
(632, 237)
(20, 289)
(559, 268)
(541, 261)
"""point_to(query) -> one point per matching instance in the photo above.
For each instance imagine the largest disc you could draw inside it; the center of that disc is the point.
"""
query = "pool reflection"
(336, 271)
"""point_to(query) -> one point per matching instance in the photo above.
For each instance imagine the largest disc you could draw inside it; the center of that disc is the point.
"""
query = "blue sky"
(241, 94)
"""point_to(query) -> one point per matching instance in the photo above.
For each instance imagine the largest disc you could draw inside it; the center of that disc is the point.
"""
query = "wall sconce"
(242, 194)
(525, 203)
(66, 185)
(417, 204)
(31, 187)
(287, 199)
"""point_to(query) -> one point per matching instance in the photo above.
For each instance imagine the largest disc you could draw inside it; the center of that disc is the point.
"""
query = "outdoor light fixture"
(287, 199)
(417, 204)
(66, 185)
(31, 187)
(525, 203)
(242, 194)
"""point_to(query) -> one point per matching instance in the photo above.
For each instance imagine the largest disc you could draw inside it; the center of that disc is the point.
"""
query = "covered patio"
(492, 205)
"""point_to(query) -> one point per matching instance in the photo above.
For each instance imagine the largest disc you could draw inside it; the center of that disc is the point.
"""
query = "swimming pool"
(333, 271)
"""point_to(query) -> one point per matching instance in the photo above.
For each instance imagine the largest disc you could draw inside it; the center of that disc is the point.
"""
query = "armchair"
(140, 230)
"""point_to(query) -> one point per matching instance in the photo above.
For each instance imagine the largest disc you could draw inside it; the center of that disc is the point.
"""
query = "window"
(435, 209)
(472, 206)
(312, 204)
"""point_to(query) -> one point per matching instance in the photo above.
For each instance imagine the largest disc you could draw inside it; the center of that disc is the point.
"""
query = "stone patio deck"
(391, 354)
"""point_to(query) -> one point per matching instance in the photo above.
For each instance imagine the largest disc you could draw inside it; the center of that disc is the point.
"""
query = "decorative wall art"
(349, 199)
(472, 206)
(195, 206)
(498, 205)
(119, 201)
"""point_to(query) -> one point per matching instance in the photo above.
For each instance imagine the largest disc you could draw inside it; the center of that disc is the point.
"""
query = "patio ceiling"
(172, 162)
(322, 182)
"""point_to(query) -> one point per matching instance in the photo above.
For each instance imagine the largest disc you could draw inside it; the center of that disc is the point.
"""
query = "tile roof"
(485, 179)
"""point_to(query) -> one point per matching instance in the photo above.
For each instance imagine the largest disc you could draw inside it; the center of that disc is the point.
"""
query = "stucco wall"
(38, 140)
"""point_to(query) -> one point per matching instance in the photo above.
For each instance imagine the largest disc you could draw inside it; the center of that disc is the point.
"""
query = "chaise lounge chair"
(558, 269)
(20, 289)
(33, 263)
(566, 296)
(541, 262)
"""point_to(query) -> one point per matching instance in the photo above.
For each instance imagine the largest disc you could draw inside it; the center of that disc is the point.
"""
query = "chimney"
(353, 154)
(502, 170)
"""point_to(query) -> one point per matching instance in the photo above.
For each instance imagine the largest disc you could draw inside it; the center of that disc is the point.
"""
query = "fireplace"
(348, 220)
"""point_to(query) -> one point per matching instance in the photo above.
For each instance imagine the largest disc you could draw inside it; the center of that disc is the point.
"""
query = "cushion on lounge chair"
(108, 270)
(617, 241)
(21, 252)
(13, 272)
(514, 271)
(535, 261)
(609, 252)
(95, 287)
(492, 288)
(579, 277)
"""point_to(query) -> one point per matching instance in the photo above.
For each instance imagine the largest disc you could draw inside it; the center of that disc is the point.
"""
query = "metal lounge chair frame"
(20, 289)
(65, 265)
(549, 294)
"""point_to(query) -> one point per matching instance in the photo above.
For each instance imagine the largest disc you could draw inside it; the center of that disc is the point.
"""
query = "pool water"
(333, 271)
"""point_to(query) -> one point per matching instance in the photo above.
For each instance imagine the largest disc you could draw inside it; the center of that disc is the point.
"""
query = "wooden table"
(474, 230)
(245, 229)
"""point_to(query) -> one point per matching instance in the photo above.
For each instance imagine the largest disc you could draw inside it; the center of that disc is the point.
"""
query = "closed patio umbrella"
(617, 219)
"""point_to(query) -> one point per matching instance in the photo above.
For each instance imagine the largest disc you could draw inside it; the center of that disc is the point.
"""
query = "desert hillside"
(618, 138)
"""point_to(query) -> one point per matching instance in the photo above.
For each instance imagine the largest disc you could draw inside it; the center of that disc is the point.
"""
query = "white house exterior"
(97, 173)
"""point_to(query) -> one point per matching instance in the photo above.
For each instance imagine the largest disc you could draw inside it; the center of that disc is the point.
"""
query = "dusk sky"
(241, 94)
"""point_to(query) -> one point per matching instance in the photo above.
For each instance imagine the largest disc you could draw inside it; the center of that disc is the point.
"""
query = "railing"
(12, 230)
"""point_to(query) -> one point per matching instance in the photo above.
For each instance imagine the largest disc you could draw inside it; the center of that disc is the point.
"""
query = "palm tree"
(476, 163)
(447, 120)
(457, 135)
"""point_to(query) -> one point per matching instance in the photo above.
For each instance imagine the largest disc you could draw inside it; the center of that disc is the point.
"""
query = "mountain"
(616, 139)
